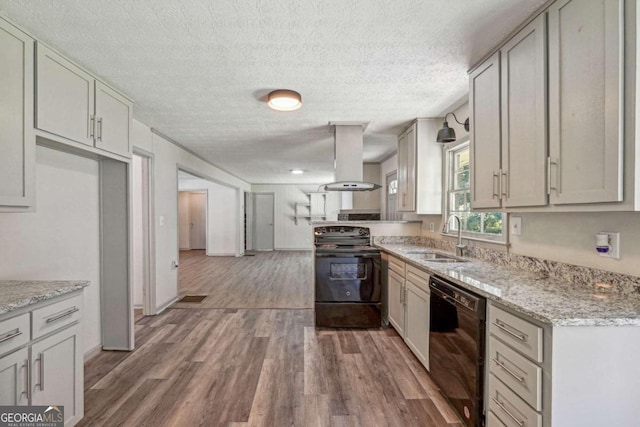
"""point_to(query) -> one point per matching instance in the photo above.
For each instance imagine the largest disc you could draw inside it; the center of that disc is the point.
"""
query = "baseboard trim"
(222, 254)
(88, 355)
(166, 305)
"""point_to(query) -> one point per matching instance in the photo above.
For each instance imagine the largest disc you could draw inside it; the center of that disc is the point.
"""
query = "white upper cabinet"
(113, 119)
(420, 168)
(407, 171)
(586, 40)
(484, 132)
(547, 114)
(507, 95)
(17, 162)
(65, 98)
(524, 117)
(73, 105)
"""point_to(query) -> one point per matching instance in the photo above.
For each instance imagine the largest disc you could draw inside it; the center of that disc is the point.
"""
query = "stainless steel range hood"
(348, 142)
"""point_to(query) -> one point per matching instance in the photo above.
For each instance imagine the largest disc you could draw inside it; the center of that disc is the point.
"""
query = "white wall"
(288, 234)
(222, 227)
(570, 237)
(60, 240)
(167, 158)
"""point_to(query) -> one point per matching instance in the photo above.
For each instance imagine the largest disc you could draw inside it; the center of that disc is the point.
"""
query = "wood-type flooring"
(277, 279)
(260, 367)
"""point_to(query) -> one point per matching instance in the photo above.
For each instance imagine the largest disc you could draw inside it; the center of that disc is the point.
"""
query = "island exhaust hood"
(348, 141)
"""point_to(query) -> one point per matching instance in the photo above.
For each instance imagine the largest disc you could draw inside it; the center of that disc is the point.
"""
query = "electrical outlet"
(515, 224)
(614, 245)
(161, 220)
(432, 227)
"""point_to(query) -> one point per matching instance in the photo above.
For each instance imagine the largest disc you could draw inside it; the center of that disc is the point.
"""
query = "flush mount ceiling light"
(284, 100)
(297, 171)
(447, 134)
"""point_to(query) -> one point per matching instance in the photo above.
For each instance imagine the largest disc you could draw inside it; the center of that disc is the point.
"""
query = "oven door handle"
(347, 255)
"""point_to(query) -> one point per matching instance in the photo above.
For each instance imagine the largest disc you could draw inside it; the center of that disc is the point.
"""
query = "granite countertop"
(15, 294)
(550, 300)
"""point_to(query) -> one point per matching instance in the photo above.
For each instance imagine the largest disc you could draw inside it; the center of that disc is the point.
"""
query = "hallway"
(259, 367)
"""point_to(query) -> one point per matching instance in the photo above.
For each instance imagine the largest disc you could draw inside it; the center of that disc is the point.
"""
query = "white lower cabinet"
(408, 306)
(417, 326)
(55, 378)
(48, 369)
(14, 377)
(396, 302)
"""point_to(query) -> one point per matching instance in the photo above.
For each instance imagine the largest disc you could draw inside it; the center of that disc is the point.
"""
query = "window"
(480, 225)
(393, 187)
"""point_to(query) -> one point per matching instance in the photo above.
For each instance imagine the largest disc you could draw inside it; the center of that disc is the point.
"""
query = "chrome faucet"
(459, 247)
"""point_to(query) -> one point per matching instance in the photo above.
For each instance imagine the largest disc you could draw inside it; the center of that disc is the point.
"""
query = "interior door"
(198, 220)
(263, 230)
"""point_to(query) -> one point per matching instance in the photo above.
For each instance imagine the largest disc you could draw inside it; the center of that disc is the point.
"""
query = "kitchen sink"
(418, 251)
(436, 257)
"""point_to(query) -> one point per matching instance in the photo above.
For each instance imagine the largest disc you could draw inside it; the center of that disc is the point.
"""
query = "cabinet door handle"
(549, 164)
(521, 337)
(100, 129)
(40, 360)
(92, 126)
(494, 181)
(513, 417)
(27, 380)
(60, 316)
(404, 199)
(10, 335)
(401, 301)
(508, 371)
(504, 185)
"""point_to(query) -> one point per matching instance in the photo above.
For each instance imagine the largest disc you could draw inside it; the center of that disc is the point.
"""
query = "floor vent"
(193, 298)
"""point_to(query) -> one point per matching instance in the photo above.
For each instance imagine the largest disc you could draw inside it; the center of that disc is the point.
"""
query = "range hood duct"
(348, 141)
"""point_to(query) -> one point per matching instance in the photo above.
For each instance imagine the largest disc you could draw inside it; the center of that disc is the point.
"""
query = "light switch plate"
(432, 227)
(515, 224)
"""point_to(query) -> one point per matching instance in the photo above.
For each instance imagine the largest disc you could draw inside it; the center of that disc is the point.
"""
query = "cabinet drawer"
(518, 333)
(396, 265)
(14, 332)
(418, 277)
(509, 408)
(520, 374)
(55, 316)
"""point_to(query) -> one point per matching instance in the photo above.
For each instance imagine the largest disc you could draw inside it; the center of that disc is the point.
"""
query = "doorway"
(263, 204)
(142, 270)
(192, 220)
(392, 197)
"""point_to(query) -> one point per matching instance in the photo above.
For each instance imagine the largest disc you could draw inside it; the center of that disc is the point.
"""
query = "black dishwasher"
(457, 347)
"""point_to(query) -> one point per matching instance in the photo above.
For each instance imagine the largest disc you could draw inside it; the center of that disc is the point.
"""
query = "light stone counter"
(591, 300)
(15, 294)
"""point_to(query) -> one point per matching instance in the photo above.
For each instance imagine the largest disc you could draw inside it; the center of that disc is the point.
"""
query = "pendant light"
(284, 100)
(447, 134)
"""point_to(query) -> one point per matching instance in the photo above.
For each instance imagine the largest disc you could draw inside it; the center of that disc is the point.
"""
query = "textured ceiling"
(199, 70)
